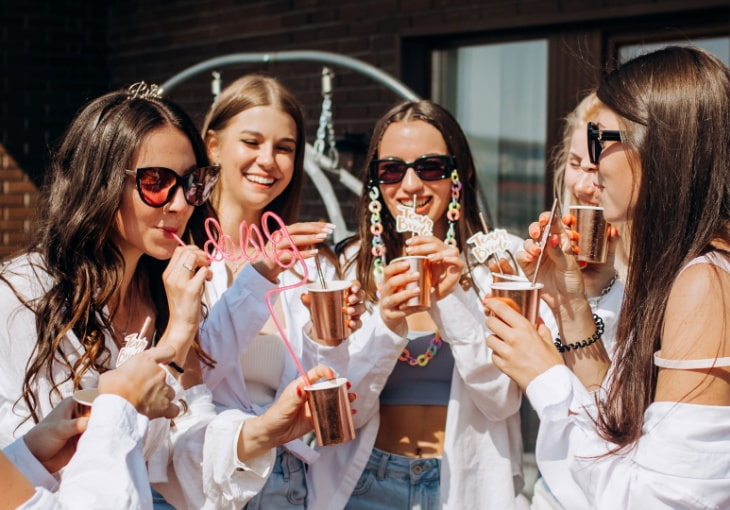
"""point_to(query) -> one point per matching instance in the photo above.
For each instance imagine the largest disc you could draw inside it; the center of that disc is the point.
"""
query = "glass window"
(498, 93)
(720, 46)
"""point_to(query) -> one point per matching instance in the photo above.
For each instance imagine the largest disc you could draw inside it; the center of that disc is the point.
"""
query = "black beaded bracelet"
(584, 343)
(176, 367)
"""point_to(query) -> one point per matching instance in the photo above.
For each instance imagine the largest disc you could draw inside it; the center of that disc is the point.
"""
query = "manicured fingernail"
(349, 385)
(554, 241)
(300, 394)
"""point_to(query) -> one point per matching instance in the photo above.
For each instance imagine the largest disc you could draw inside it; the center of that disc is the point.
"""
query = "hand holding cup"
(141, 381)
(559, 271)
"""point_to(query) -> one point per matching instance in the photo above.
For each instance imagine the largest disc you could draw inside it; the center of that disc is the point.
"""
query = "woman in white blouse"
(129, 180)
(656, 431)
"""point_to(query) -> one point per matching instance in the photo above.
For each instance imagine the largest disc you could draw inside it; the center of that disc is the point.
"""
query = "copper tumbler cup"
(83, 399)
(524, 297)
(328, 316)
(330, 407)
(593, 230)
(419, 264)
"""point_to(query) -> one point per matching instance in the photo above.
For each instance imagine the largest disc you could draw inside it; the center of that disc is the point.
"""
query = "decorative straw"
(484, 222)
(220, 246)
(544, 239)
(146, 325)
(319, 272)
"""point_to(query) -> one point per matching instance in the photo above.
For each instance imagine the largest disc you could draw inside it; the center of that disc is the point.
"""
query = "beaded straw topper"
(252, 244)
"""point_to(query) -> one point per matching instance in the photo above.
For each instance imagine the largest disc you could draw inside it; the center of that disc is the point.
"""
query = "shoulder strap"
(690, 364)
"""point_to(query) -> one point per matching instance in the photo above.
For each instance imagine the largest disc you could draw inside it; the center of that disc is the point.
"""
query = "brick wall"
(56, 55)
(17, 204)
(52, 59)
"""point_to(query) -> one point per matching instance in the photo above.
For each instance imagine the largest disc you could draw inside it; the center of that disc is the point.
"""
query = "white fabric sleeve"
(205, 472)
(463, 327)
(43, 500)
(680, 460)
(233, 321)
(19, 454)
(373, 352)
(108, 470)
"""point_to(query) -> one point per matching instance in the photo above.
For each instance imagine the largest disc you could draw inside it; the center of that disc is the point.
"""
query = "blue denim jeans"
(159, 502)
(286, 488)
(394, 481)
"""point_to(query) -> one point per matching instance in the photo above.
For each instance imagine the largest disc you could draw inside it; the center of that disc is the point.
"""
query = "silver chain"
(326, 129)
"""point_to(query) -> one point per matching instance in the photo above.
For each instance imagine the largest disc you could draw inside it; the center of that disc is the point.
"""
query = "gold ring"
(189, 267)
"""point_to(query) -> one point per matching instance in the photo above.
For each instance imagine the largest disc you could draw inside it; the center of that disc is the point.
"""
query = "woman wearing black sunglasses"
(129, 178)
(655, 432)
(437, 423)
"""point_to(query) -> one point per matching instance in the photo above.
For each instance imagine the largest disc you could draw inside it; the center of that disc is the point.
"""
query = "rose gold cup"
(419, 264)
(593, 230)
(328, 315)
(83, 399)
(524, 297)
(330, 407)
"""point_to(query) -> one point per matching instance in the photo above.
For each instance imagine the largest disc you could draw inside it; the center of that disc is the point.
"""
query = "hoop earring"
(454, 212)
(376, 229)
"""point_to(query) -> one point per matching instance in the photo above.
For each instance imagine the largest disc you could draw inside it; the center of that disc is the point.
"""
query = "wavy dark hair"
(74, 233)
(254, 90)
(458, 147)
(674, 108)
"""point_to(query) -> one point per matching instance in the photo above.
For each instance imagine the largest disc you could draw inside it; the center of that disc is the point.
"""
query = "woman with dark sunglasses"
(130, 176)
(655, 432)
(437, 423)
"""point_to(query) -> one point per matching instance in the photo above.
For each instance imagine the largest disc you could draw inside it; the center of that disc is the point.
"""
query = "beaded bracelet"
(584, 343)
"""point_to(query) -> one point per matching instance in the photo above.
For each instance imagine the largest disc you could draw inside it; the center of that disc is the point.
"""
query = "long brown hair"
(73, 236)
(674, 109)
(458, 147)
(254, 90)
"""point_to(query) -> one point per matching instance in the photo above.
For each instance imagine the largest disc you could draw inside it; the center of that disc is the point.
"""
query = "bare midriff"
(412, 430)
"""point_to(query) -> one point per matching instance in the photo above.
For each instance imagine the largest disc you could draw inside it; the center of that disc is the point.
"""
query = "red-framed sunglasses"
(596, 137)
(157, 185)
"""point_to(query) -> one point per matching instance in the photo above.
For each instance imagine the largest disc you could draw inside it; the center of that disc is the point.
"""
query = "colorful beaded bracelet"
(584, 343)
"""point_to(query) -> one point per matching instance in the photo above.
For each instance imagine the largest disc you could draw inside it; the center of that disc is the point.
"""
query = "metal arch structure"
(314, 161)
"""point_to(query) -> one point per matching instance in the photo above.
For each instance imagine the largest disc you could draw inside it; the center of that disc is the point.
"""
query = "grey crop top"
(427, 385)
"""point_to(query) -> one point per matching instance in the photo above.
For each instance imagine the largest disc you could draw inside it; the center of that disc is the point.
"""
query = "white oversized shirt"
(193, 463)
(106, 472)
(681, 460)
(482, 462)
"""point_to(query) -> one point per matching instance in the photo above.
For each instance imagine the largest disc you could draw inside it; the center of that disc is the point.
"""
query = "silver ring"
(189, 267)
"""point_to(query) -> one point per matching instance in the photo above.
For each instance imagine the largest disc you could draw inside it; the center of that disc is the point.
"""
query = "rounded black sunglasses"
(428, 168)
(596, 137)
(157, 185)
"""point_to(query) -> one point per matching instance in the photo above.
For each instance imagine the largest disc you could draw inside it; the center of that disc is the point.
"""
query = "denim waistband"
(383, 464)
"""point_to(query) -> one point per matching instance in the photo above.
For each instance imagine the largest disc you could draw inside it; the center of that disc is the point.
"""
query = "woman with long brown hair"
(656, 432)
(437, 423)
(130, 177)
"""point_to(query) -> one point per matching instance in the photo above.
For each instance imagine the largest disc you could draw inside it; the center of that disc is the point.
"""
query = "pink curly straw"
(220, 246)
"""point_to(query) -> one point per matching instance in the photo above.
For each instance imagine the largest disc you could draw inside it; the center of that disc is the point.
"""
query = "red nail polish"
(554, 241)
(299, 392)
